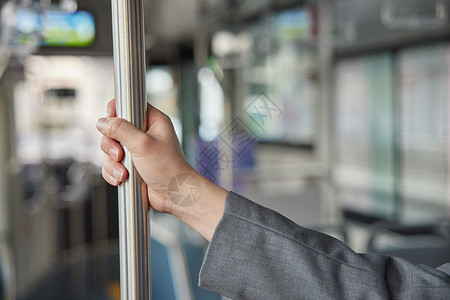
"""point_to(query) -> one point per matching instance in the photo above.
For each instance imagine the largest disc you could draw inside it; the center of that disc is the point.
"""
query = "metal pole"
(129, 62)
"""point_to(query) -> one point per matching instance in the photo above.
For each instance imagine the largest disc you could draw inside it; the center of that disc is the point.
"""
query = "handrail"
(129, 63)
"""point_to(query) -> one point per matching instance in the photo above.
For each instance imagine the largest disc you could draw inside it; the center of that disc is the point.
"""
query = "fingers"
(113, 172)
(126, 133)
(158, 122)
(111, 148)
(154, 115)
(111, 108)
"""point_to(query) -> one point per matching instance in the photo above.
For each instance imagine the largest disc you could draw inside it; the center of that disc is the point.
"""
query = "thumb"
(124, 132)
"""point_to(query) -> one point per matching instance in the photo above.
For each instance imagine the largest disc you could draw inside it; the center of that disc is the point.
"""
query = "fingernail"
(114, 153)
(101, 124)
(117, 173)
(108, 111)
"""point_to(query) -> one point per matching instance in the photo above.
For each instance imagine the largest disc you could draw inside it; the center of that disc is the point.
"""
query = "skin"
(158, 158)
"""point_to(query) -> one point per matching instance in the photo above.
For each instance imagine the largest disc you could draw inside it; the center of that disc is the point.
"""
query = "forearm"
(204, 206)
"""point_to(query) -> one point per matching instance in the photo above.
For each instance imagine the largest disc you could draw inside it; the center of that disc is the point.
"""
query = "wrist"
(203, 202)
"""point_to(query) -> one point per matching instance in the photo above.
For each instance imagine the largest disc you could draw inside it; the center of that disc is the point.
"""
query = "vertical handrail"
(129, 64)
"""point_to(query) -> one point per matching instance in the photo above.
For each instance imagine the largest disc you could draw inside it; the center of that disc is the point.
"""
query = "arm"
(255, 253)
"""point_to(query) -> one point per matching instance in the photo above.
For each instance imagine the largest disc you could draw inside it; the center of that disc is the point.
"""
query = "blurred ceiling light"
(61, 5)
(159, 81)
(68, 5)
(419, 14)
(225, 43)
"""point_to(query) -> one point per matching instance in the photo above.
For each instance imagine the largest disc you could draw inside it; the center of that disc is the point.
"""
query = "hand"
(156, 154)
(171, 184)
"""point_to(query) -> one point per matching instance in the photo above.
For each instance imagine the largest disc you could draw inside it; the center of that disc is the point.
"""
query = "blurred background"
(334, 113)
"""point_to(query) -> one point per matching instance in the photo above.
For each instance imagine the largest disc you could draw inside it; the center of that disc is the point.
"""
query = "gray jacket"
(256, 253)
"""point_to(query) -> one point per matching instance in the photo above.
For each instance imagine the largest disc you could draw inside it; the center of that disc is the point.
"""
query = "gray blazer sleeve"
(256, 253)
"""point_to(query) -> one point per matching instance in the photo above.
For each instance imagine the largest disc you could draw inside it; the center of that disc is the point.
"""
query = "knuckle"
(116, 127)
(107, 166)
(108, 178)
(104, 174)
(104, 144)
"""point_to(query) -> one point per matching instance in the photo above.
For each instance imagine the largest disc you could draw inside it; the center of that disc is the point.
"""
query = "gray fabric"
(256, 253)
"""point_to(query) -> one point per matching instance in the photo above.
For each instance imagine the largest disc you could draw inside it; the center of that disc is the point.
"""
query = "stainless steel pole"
(129, 63)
